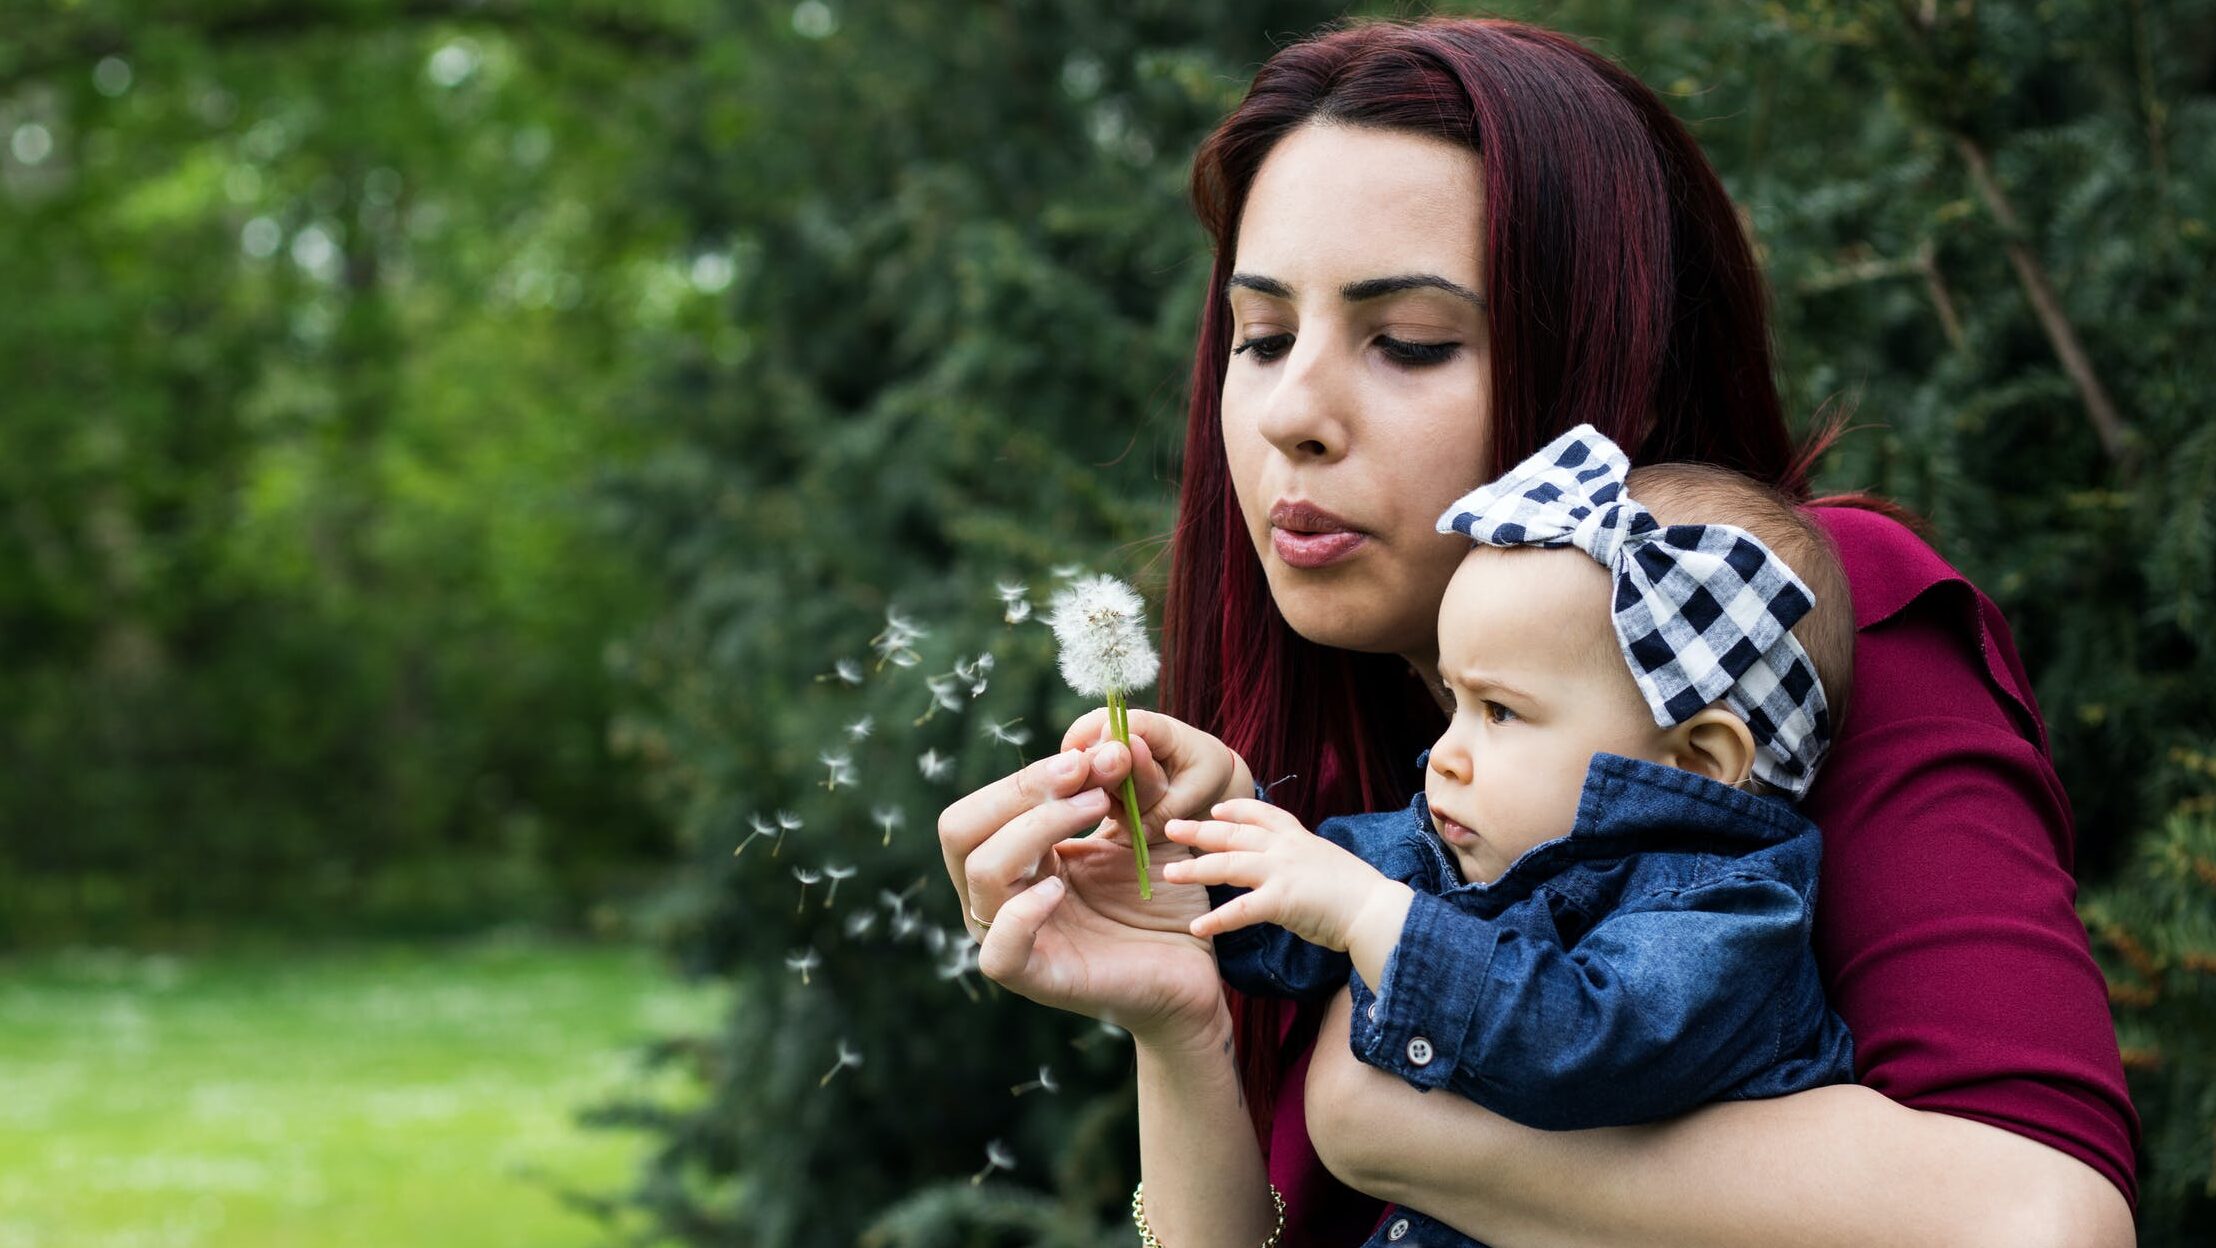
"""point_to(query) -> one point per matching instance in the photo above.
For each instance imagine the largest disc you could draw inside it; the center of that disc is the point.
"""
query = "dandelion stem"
(1119, 715)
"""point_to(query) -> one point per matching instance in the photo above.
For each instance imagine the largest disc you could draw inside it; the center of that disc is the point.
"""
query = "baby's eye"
(1266, 347)
(1498, 714)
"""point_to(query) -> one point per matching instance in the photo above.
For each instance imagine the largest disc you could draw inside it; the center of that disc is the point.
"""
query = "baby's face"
(1528, 652)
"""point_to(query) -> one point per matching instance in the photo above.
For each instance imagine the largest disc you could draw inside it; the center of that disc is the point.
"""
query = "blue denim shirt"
(1653, 960)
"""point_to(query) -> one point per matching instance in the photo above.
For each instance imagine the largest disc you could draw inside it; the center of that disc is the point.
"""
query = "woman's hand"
(1059, 919)
(1201, 769)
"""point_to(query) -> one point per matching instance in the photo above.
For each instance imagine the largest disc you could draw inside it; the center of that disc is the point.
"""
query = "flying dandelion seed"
(1009, 591)
(1016, 613)
(1099, 625)
(806, 877)
(805, 961)
(934, 765)
(859, 923)
(1101, 1031)
(847, 1057)
(959, 960)
(974, 672)
(845, 671)
(888, 818)
(934, 939)
(842, 770)
(835, 873)
(860, 729)
(997, 1157)
(895, 644)
(787, 821)
(892, 901)
(1044, 1083)
(943, 697)
(1008, 733)
(760, 826)
(1066, 571)
(905, 925)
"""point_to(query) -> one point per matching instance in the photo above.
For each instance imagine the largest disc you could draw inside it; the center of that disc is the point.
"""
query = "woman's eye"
(1265, 346)
(1418, 354)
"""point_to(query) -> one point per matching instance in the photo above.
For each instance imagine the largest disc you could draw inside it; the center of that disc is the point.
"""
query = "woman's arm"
(1835, 1166)
(1198, 1157)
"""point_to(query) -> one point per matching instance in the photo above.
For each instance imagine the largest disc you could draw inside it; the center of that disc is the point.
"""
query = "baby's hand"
(1301, 882)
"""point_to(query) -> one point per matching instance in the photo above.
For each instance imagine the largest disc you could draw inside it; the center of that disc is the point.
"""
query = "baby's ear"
(1714, 743)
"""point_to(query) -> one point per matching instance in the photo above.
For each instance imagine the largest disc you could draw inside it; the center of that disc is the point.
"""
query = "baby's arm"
(1659, 1008)
(1310, 885)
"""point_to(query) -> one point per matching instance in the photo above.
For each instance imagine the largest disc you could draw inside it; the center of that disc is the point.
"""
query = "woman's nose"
(1306, 417)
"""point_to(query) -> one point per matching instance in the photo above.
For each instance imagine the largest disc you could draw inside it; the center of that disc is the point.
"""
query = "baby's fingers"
(1260, 814)
(1244, 910)
(1244, 870)
(1214, 836)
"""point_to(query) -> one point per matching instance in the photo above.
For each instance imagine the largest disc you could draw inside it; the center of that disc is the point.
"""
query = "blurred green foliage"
(450, 445)
(314, 338)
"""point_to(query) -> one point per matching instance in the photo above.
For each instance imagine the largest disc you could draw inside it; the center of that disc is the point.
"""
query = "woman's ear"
(1715, 743)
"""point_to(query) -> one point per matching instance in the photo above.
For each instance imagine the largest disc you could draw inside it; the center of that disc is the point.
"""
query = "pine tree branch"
(2108, 426)
(68, 48)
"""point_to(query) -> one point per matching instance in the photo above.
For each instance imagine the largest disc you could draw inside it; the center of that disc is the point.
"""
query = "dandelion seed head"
(849, 671)
(860, 729)
(833, 871)
(1099, 626)
(997, 1154)
(789, 821)
(804, 961)
(807, 875)
(888, 818)
(762, 827)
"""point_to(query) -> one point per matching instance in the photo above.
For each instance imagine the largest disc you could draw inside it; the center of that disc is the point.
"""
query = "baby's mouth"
(1452, 832)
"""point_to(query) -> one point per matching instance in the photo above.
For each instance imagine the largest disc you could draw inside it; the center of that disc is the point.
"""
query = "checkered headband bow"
(1703, 611)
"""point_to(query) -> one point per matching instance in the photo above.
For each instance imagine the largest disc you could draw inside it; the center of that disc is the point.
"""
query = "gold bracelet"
(1146, 1233)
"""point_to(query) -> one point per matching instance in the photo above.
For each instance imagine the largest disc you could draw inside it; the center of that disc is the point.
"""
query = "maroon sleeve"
(1946, 928)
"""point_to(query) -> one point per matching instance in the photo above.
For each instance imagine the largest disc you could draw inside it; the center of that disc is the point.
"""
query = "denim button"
(1397, 1230)
(1373, 1011)
(1419, 1051)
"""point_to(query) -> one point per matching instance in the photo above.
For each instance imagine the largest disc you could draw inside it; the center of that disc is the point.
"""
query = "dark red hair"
(1622, 292)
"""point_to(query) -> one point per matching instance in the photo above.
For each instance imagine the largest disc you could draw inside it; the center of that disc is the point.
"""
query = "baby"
(1597, 910)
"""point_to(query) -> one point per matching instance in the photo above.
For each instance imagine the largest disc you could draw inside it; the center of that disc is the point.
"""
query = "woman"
(1437, 246)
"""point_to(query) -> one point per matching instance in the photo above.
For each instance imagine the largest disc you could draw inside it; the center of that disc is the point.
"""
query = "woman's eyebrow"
(1357, 292)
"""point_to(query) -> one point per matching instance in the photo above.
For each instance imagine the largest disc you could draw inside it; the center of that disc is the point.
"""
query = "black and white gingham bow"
(1702, 610)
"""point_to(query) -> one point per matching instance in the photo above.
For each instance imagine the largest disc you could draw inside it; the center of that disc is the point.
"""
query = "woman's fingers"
(1016, 855)
(1007, 946)
(977, 818)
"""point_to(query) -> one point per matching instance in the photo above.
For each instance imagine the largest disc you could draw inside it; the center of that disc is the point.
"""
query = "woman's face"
(1358, 383)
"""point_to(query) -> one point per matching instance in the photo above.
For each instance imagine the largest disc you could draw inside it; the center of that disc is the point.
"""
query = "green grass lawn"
(413, 1095)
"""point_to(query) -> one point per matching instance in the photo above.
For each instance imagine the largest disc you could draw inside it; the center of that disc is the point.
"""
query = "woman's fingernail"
(1091, 798)
(1050, 887)
(1062, 768)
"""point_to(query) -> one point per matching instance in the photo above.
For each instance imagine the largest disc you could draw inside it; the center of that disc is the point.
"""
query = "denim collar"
(1629, 804)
